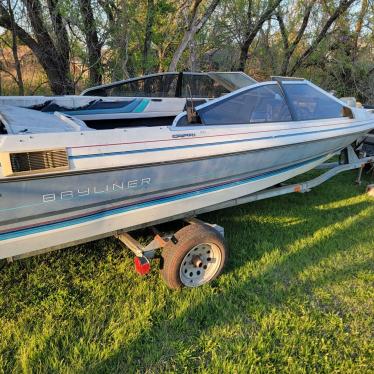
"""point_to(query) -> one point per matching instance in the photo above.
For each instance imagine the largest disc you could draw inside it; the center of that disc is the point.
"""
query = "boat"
(143, 101)
(62, 182)
(366, 143)
(367, 146)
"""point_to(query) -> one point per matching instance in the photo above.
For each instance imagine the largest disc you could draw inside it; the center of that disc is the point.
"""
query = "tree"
(339, 10)
(50, 47)
(93, 44)
(253, 24)
(17, 63)
(329, 40)
(150, 18)
(195, 22)
(291, 45)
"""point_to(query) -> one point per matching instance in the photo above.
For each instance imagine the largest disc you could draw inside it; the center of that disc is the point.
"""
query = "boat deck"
(20, 121)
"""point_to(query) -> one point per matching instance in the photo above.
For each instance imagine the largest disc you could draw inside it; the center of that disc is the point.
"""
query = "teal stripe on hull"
(140, 108)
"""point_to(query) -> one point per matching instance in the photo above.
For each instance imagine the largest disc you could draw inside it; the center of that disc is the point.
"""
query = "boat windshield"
(266, 103)
(182, 85)
(156, 85)
(260, 104)
(233, 80)
(200, 85)
(308, 103)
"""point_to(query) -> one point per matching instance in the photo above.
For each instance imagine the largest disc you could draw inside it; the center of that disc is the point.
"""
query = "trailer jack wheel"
(198, 257)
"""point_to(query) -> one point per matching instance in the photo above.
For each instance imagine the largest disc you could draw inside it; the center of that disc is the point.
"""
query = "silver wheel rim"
(200, 264)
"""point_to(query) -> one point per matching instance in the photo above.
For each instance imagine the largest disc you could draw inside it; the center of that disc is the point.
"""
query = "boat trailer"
(196, 253)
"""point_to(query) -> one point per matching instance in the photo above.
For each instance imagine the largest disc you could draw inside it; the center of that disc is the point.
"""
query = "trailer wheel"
(197, 257)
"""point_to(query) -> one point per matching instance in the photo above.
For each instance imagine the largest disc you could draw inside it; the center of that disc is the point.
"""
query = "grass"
(297, 296)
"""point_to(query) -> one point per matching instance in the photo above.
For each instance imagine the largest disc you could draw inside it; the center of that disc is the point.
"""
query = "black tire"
(188, 238)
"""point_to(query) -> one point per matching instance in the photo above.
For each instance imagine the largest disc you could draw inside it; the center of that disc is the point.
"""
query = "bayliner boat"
(150, 100)
(368, 141)
(62, 182)
(58, 175)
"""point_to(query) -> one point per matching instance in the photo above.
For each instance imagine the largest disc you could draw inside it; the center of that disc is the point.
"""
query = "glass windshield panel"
(233, 81)
(156, 86)
(261, 104)
(309, 103)
(201, 85)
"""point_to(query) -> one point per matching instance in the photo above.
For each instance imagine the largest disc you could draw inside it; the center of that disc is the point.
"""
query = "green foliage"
(296, 297)
(341, 61)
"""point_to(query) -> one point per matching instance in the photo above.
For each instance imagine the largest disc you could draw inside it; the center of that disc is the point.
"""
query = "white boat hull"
(129, 177)
(108, 225)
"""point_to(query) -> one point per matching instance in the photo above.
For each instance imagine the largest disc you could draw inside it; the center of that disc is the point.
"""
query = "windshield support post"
(286, 98)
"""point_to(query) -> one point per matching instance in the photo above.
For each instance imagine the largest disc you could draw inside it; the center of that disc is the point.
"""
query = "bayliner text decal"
(95, 190)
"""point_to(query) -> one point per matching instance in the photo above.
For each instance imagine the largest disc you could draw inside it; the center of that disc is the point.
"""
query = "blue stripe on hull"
(99, 215)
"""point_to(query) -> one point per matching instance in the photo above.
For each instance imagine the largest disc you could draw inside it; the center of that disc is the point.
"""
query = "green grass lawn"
(297, 296)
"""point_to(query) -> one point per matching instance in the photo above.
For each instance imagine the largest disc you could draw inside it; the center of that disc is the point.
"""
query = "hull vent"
(34, 162)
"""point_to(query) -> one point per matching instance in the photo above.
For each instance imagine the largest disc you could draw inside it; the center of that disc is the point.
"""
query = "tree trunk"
(92, 41)
(148, 35)
(17, 63)
(359, 25)
(193, 60)
(53, 58)
(290, 47)
(253, 29)
(194, 26)
(244, 48)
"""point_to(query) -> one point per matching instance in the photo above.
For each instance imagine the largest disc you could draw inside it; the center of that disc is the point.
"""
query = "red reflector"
(142, 265)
